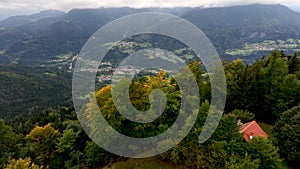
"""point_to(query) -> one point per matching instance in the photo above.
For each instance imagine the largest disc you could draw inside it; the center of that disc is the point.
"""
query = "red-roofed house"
(251, 130)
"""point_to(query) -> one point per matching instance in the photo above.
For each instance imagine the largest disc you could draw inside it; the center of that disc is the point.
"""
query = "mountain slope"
(18, 28)
(26, 89)
(15, 21)
(67, 35)
(227, 28)
(234, 26)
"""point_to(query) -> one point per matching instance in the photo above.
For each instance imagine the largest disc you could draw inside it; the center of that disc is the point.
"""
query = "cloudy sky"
(9, 7)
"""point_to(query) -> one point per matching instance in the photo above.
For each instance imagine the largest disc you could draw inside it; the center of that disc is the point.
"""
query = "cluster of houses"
(122, 71)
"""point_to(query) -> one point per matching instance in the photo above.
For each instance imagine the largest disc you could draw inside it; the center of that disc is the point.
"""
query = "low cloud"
(70, 4)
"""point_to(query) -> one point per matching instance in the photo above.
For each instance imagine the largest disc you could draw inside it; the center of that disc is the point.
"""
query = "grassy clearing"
(148, 163)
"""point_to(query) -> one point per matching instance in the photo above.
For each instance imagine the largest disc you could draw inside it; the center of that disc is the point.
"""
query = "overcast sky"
(9, 7)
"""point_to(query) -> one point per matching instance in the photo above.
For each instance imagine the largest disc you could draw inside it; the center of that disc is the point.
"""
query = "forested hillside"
(258, 45)
(28, 89)
(267, 91)
(37, 40)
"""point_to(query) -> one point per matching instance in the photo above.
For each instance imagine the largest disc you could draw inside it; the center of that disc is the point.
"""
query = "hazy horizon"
(7, 10)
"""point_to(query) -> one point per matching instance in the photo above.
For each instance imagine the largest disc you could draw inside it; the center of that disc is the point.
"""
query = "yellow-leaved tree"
(22, 164)
(43, 141)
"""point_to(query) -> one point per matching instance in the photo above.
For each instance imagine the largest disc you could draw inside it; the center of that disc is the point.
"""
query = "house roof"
(252, 129)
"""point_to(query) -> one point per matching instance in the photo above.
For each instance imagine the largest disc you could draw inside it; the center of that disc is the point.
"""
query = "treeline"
(267, 91)
(267, 88)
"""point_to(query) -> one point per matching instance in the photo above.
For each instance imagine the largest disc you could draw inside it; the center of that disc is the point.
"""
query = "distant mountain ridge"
(17, 28)
(15, 21)
(227, 28)
(238, 25)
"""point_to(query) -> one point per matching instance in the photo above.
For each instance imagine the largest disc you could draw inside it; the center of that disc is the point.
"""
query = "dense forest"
(26, 89)
(267, 91)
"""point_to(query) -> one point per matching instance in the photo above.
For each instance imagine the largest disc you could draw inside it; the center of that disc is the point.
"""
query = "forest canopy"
(267, 91)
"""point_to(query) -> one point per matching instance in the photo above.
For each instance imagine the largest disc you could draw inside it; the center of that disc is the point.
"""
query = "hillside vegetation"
(26, 89)
(54, 138)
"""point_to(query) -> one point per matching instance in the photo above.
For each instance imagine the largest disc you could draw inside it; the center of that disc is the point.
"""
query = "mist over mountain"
(36, 39)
